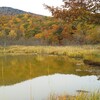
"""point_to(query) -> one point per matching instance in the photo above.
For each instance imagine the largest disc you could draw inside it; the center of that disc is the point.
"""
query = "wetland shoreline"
(85, 52)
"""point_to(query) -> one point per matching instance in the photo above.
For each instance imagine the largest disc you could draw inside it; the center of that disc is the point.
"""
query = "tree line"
(76, 22)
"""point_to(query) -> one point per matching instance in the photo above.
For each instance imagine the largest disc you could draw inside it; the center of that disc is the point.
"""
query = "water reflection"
(15, 69)
(41, 87)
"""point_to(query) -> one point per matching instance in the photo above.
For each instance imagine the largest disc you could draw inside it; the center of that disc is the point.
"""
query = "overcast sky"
(35, 6)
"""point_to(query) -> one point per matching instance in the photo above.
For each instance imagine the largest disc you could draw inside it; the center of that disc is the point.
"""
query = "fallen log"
(90, 62)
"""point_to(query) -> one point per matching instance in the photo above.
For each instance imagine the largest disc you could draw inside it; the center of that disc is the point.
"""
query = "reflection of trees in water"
(2, 73)
(19, 68)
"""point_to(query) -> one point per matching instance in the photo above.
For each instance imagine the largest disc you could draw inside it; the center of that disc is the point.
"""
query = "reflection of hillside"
(14, 69)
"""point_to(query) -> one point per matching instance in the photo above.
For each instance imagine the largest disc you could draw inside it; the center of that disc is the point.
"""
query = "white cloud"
(35, 6)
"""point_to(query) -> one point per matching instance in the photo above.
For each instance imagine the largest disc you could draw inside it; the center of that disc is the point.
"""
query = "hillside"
(13, 11)
(10, 11)
(22, 28)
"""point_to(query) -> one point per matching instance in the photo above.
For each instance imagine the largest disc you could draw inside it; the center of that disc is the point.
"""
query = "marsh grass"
(80, 96)
(85, 51)
(90, 96)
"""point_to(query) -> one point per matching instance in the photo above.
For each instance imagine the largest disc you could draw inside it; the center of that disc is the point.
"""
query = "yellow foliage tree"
(12, 34)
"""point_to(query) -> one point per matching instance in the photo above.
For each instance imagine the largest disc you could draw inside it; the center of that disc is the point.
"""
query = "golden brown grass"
(61, 50)
(80, 96)
(85, 51)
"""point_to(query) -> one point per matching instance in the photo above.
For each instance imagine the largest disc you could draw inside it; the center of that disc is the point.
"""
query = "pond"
(28, 77)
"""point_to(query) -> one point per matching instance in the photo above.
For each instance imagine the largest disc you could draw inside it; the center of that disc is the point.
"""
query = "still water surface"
(29, 77)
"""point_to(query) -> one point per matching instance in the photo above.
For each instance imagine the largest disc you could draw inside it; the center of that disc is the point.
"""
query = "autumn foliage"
(75, 22)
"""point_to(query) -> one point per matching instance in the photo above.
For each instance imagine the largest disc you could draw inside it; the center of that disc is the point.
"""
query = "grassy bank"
(80, 96)
(86, 51)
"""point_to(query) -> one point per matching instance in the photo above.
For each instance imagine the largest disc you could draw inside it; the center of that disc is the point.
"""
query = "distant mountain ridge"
(11, 11)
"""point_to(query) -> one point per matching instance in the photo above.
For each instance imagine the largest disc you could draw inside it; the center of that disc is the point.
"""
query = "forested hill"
(10, 11)
(25, 28)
